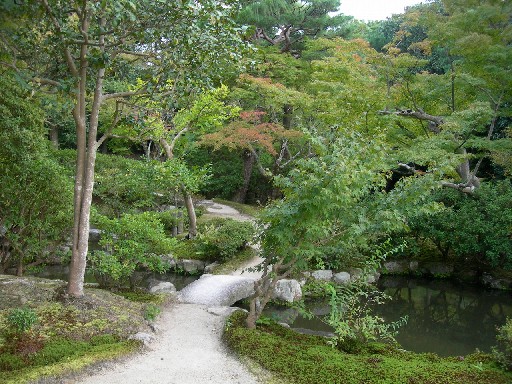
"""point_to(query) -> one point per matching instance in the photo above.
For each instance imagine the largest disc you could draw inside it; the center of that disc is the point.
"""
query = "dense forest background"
(119, 114)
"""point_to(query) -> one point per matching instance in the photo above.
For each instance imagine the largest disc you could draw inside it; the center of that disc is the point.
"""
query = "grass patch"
(304, 359)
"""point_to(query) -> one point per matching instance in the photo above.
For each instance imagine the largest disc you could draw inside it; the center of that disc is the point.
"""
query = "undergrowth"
(305, 359)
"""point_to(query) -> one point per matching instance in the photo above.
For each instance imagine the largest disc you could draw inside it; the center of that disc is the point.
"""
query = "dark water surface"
(444, 317)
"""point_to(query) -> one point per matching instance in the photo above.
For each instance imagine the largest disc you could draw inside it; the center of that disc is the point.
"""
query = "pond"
(444, 317)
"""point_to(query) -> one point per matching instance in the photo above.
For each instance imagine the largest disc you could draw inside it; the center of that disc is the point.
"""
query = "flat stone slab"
(217, 290)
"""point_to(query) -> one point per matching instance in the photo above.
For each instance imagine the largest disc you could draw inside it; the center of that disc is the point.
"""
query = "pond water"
(444, 317)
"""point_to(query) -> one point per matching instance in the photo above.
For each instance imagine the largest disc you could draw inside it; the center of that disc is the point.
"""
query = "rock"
(145, 338)
(193, 267)
(496, 283)
(355, 273)
(372, 278)
(396, 267)
(413, 266)
(169, 260)
(94, 235)
(287, 290)
(342, 278)
(211, 267)
(161, 287)
(322, 275)
(439, 269)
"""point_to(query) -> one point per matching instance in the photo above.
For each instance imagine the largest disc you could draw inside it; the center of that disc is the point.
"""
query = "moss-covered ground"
(305, 359)
(69, 334)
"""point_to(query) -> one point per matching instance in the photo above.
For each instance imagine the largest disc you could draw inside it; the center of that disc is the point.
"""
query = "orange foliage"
(249, 132)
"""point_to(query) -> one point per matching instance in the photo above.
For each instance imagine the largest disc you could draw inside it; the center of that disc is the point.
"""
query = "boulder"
(396, 267)
(169, 260)
(342, 278)
(211, 267)
(94, 235)
(193, 267)
(355, 273)
(287, 290)
(161, 287)
(439, 269)
(373, 277)
(496, 283)
(322, 275)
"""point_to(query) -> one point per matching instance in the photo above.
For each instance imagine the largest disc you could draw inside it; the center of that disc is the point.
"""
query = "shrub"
(503, 351)
(21, 319)
(221, 239)
(130, 242)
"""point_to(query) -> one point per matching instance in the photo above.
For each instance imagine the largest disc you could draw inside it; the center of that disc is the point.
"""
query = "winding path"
(188, 348)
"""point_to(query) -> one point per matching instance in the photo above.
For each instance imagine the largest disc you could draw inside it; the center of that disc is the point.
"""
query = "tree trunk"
(189, 204)
(248, 159)
(54, 136)
(85, 163)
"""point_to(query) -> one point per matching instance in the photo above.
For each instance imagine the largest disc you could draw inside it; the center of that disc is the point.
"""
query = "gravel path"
(188, 348)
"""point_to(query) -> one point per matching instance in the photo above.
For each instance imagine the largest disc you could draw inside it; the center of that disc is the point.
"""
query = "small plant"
(21, 319)
(503, 351)
(151, 312)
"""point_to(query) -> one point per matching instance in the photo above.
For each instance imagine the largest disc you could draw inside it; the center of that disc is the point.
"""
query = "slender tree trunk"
(248, 159)
(54, 136)
(86, 160)
(189, 204)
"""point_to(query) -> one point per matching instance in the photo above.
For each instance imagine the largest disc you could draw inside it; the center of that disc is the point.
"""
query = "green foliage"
(221, 239)
(151, 312)
(21, 319)
(36, 195)
(130, 242)
(304, 359)
(503, 351)
(352, 319)
(475, 227)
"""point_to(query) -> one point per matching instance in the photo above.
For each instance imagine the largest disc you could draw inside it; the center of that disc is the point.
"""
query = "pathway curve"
(188, 348)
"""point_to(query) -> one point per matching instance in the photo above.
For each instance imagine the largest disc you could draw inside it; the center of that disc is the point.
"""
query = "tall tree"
(81, 47)
(286, 23)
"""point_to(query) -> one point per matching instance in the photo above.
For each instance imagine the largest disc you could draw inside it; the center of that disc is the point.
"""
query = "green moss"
(304, 359)
(75, 357)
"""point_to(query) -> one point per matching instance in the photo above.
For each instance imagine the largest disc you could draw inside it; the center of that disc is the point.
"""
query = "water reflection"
(443, 317)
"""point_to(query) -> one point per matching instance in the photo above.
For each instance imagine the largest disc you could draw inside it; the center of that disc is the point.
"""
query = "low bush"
(221, 239)
(503, 351)
(131, 242)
